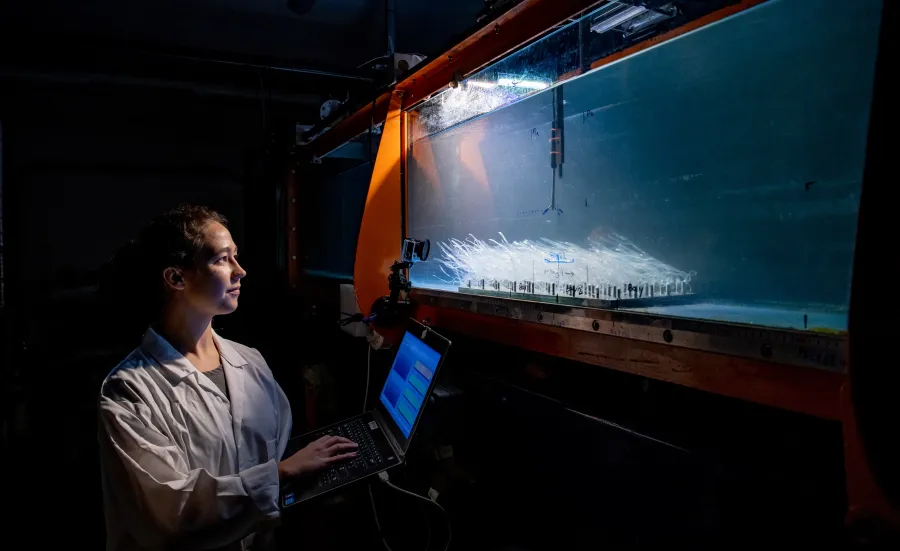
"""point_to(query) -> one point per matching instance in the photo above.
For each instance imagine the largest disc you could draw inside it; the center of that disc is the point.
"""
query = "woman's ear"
(174, 278)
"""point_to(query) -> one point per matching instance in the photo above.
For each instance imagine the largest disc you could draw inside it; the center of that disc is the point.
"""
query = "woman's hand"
(317, 455)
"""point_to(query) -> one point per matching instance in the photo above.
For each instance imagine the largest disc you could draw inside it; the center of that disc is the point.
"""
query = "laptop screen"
(407, 384)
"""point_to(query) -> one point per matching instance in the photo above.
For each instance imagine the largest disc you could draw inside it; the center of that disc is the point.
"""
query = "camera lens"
(423, 248)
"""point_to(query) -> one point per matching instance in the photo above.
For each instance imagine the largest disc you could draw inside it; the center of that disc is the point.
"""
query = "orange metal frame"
(797, 389)
(380, 230)
(518, 26)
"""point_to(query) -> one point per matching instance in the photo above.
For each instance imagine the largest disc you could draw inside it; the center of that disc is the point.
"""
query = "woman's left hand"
(317, 455)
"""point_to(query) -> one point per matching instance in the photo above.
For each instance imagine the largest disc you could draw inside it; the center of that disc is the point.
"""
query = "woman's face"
(213, 286)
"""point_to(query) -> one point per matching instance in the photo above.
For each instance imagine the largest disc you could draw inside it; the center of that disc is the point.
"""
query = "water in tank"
(716, 175)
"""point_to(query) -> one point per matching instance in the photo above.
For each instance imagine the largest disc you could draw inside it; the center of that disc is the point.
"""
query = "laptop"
(383, 433)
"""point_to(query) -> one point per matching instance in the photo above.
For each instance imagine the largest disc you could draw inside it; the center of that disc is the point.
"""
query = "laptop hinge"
(382, 422)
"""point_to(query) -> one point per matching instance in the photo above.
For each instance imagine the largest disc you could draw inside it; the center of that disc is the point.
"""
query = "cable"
(373, 59)
(383, 476)
(351, 318)
(262, 99)
(377, 522)
(368, 376)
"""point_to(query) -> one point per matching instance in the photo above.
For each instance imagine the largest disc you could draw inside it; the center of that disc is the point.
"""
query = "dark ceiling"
(333, 34)
(244, 49)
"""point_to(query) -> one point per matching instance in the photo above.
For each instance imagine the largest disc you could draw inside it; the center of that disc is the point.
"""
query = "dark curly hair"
(134, 286)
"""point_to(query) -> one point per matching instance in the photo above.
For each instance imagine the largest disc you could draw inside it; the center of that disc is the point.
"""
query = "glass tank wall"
(333, 200)
(713, 176)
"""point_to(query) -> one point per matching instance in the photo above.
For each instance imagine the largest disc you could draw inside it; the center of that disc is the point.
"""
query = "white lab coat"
(182, 466)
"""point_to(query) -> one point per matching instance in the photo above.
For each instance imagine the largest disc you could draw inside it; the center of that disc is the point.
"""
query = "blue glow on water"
(734, 153)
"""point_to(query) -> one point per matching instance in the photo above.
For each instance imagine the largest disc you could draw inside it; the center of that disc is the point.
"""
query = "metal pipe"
(279, 68)
(390, 17)
(390, 29)
(2, 248)
(304, 99)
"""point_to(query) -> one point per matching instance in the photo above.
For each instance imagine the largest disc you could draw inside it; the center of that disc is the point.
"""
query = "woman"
(193, 426)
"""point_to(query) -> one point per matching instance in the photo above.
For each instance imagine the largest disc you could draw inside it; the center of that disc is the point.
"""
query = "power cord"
(373, 59)
(383, 477)
(375, 341)
(377, 522)
(368, 376)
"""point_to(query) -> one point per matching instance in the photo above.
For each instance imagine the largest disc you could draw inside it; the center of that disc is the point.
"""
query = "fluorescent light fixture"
(481, 84)
(604, 24)
(529, 84)
(650, 18)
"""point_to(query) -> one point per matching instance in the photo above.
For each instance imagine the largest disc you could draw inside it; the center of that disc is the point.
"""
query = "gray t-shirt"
(217, 376)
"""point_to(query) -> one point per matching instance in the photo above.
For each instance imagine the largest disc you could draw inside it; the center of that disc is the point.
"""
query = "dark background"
(111, 112)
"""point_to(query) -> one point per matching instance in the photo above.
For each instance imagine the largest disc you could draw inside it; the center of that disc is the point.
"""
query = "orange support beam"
(513, 29)
(510, 31)
(379, 232)
(518, 26)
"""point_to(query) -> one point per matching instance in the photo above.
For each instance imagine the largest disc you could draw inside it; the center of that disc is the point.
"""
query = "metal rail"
(784, 346)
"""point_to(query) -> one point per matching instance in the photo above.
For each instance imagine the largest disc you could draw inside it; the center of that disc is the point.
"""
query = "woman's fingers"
(328, 442)
(337, 440)
(340, 457)
(342, 447)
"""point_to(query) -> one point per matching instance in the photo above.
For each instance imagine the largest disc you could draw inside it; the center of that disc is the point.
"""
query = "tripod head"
(395, 307)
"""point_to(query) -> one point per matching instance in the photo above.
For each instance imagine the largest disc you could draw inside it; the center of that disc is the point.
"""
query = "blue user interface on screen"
(407, 383)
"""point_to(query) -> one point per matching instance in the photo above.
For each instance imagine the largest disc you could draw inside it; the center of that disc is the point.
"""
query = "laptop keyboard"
(367, 455)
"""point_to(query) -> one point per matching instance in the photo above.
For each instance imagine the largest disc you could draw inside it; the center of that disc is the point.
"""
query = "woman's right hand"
(317, 455)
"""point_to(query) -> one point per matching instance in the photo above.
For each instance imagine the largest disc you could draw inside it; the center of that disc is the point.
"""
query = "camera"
(414, 250)
(394, 308)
